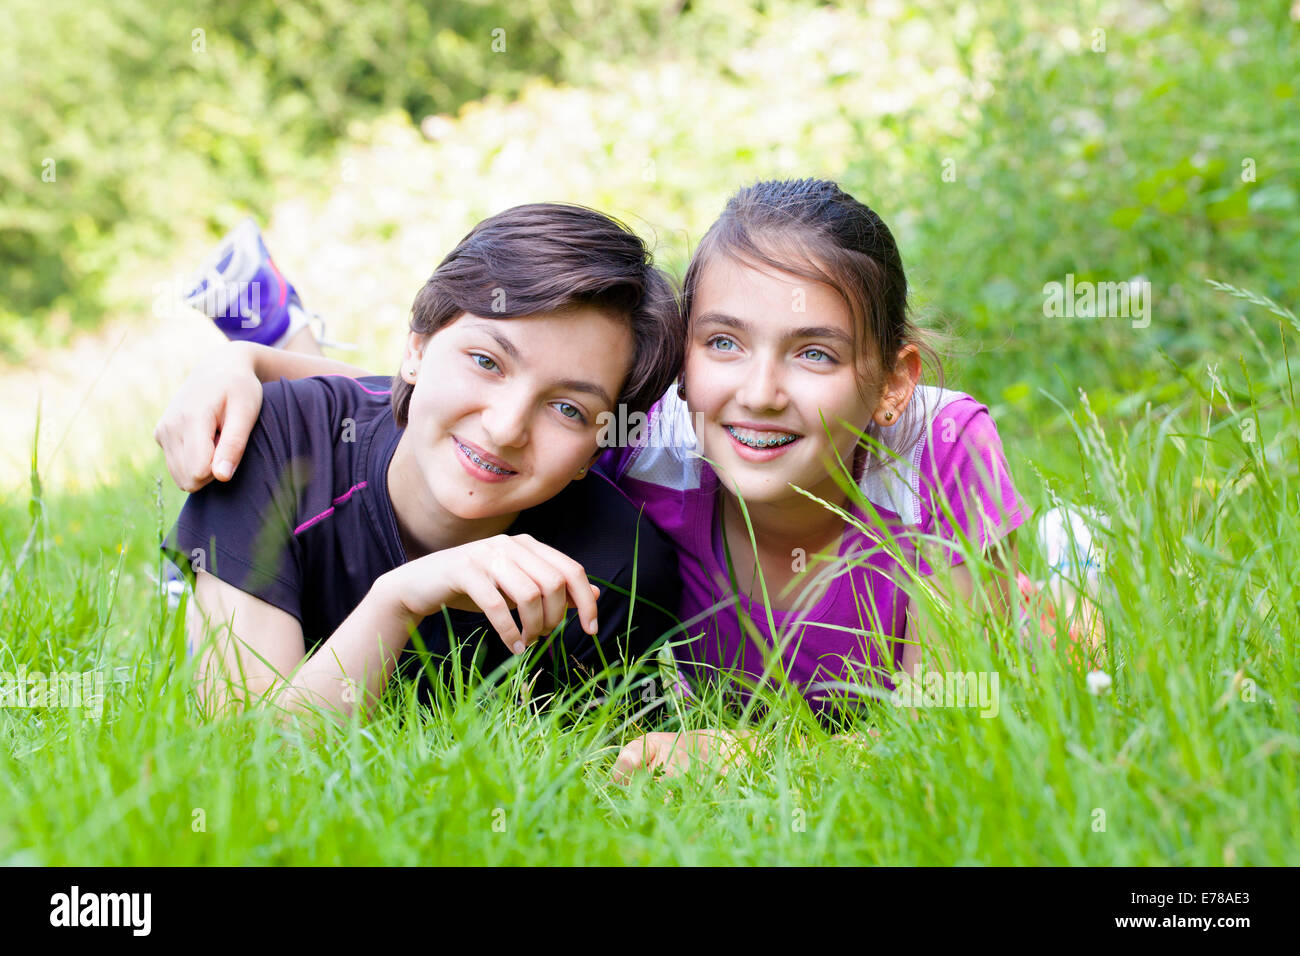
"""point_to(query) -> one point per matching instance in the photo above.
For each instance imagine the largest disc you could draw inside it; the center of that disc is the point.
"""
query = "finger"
(166, 437)
(550, 582)
(488, 599)
(194, 440)
(630, 759)
(677, 765)
(523, 593)
(582, 593)
(163, 437)
(723, 751)
(236, 426)
(188, 475)
(672, 755)
(189, 440)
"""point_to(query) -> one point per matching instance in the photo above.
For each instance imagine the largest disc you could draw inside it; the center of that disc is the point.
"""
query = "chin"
(755, 489)
(467, 509)
(486, 502)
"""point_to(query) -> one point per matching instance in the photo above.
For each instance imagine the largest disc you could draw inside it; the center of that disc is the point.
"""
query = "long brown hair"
(813, 229)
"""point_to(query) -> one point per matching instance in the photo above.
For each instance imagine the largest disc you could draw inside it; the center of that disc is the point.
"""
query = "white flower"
(1098, 682)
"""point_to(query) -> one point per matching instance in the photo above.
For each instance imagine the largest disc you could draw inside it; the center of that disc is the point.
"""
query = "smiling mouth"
(752, 438)
(480, 461)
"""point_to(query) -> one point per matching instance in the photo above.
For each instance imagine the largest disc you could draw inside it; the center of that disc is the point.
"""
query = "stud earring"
(889, 416)
(681, 391)
(582, 473)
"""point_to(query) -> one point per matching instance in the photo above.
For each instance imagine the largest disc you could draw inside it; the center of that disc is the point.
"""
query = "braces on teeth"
(488, 466)
(761, 442)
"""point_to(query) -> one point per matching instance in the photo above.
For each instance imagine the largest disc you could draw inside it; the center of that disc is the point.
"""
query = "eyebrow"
(569, 384)
(807, 332)
(506, 345)
(591, 388)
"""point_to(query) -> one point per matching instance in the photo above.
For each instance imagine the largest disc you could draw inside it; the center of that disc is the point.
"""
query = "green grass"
(1191, 756)
(1106, 165)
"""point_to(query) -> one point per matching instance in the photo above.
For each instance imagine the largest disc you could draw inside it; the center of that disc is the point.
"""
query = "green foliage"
(1163, 147)
(124, 120)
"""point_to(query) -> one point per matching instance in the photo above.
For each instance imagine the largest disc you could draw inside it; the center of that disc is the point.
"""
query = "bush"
(123, 121)
(1162, 147)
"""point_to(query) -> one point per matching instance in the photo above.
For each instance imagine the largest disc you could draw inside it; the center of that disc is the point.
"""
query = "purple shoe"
(240, 289)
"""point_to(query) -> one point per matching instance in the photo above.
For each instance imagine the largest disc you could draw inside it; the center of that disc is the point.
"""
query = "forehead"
(583, 342)
(766, 296)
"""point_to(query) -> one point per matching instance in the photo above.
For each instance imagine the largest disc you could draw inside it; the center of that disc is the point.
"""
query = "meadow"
(1141, 146)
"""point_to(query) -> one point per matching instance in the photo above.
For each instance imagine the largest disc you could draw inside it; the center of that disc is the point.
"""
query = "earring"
(582, 473)
(889, 416)
(681, 391)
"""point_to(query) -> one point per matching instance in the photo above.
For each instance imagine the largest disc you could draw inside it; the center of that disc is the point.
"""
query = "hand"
(1086, 626)
(493, 575)
(673, 753)
(205, 429)
(857, 740)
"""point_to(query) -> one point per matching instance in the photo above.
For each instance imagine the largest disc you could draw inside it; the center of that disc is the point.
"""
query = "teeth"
(760, 442)
(486, 466)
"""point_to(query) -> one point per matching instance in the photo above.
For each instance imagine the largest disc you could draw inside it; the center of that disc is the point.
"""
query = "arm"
(958, 586)
(968, 493)
(258, 649)
(205, 429)
(270, 364)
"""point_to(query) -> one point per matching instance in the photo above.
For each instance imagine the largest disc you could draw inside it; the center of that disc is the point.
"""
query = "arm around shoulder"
(205, 428)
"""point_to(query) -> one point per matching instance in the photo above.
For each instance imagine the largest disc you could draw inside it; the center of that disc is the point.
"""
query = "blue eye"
(576, 412)
(485, 362)
(717, 341)
(824, 355)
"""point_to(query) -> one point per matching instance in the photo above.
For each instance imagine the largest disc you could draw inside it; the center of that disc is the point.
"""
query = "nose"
(762, 388)
(506, 420)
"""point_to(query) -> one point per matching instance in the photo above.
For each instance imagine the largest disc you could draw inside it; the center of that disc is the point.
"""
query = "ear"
(898, 388)
(415, 343)
(587, 467)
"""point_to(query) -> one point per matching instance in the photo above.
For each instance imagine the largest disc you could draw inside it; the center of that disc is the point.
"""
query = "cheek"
(440, 395)
(558, 450)
(845, 425)
(695, 362)
(839, 399)
(708, 384)
(424, 412)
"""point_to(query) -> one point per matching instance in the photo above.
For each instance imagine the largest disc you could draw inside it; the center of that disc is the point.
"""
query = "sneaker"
(1072, 544)
(240, 289)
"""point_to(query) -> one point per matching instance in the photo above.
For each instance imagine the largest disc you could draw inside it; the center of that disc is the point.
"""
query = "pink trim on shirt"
(330, 510)
(368, 391)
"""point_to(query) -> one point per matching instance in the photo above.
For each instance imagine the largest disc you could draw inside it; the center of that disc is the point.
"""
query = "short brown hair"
(553, 257)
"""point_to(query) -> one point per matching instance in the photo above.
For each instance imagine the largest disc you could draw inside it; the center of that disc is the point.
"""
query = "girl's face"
(769, 355)
(503, 413)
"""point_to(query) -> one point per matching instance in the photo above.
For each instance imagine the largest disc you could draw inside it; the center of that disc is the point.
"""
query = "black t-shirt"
(306, 524)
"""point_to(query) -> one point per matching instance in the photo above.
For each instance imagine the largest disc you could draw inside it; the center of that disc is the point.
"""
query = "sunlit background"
(1006, 145)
